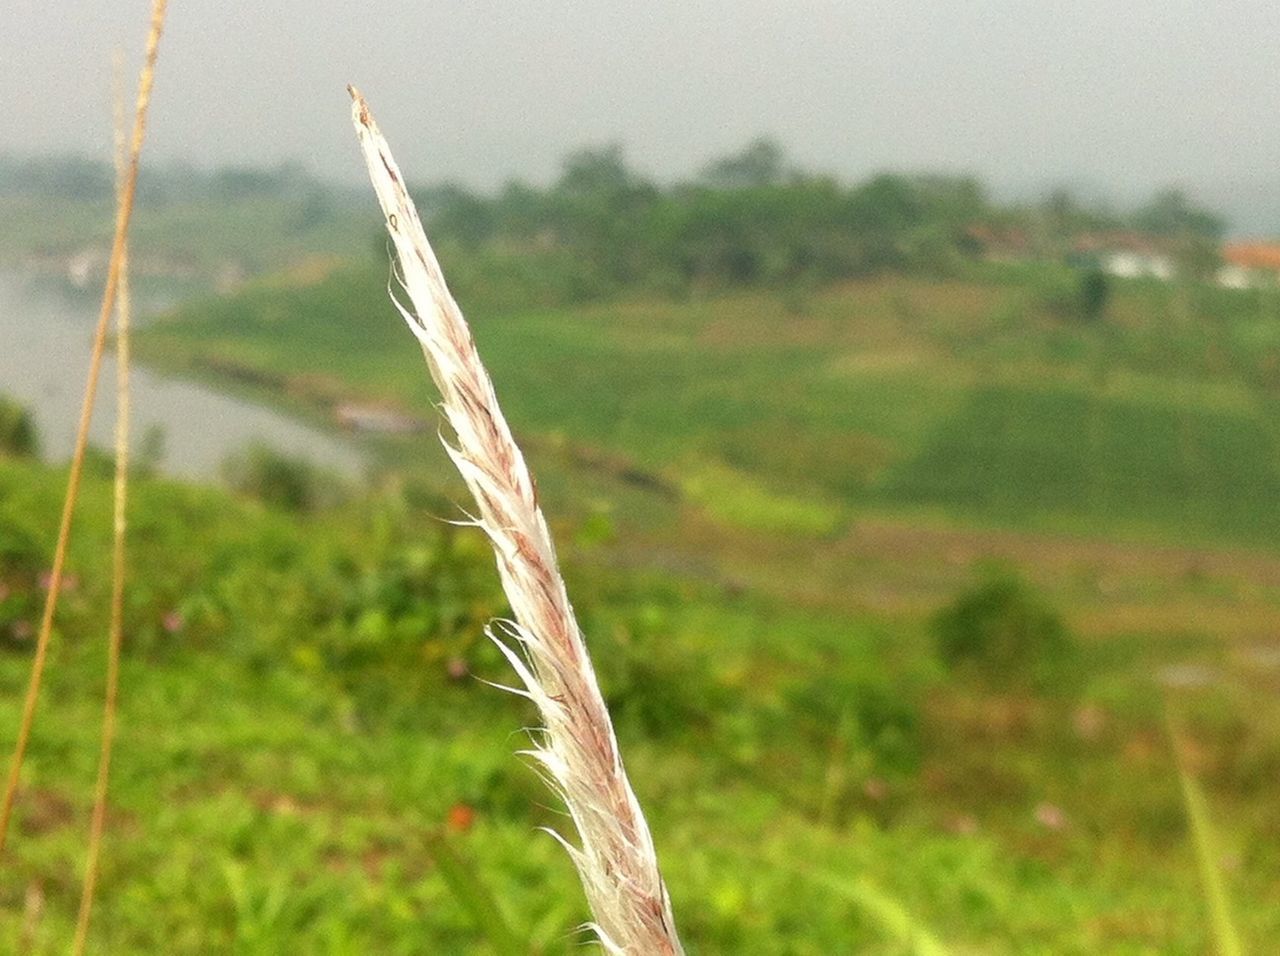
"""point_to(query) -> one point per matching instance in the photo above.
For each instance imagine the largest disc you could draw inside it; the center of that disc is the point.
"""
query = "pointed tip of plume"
(359, 108)
(578, 751)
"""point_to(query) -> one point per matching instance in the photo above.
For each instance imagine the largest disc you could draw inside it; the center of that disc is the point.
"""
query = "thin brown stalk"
(576, 748)
(123, 217)
(115, 635)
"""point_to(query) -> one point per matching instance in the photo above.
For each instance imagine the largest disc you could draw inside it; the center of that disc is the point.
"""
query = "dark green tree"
(759, 163)
(1004, 632)
(1172, 214)
(17, 429)
(1095, 291)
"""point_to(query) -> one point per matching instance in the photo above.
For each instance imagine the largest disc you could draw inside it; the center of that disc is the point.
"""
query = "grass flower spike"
(577, 748)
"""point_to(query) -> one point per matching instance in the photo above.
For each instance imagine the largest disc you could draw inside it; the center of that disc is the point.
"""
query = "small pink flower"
(1089, 721)
(172, 622)
(875, 789)
(962, 824)
(456, 668)
(1050, 816)
(70, 582)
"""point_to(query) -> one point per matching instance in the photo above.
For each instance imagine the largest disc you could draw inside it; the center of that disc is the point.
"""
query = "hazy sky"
(1126, 95)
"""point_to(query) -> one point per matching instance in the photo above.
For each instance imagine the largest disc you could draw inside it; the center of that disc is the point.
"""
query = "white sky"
(1126, 96)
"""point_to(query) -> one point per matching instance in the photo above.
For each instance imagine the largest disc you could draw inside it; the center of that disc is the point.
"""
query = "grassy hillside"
(764, 500)
(297, 731)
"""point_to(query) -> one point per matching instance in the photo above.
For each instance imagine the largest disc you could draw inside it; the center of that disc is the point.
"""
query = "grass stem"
(1226, 935)
(115, 636)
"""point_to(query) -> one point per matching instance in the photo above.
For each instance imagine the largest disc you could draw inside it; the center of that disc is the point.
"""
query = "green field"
(961, 397)
(763, 497)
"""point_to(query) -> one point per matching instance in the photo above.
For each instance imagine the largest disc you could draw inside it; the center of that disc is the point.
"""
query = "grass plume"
(576, 749)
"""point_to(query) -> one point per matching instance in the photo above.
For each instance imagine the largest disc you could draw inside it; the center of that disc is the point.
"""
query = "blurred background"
(902, 386)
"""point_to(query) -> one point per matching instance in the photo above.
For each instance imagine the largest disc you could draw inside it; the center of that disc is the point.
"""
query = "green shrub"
(21, 562)
(1095, 291)
(423, 603)
(17, 430)
(1004, 632)
(280, 480)
(1077, 295)
(854, 708)
(656, 687)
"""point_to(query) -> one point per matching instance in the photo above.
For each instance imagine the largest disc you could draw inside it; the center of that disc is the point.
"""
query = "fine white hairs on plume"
(576, 747)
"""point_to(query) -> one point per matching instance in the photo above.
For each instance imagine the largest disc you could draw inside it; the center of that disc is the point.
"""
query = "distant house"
(1126, 255)
(1248, 265)
(1138, 264)
(375, 418)
(997, 243)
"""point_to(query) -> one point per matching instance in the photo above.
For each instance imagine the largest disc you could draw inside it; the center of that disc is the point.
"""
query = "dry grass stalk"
(32, 911)
(123, 217)
(115, 636)
(577, 748)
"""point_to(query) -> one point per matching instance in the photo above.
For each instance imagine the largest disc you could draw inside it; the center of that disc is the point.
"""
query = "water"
(45, 343)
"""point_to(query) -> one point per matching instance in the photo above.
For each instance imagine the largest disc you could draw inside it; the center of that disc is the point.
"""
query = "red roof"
(1253, 255)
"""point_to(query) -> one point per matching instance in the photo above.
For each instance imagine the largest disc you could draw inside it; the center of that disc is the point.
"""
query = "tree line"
(750, 217)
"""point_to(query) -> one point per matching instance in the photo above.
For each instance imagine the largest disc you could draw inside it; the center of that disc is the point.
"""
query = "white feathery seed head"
(576, 750)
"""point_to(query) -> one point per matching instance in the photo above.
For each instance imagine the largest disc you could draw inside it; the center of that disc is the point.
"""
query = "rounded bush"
(1005, 632)
(17, 429)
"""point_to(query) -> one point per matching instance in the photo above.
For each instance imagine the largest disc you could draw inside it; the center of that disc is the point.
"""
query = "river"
(45, 343)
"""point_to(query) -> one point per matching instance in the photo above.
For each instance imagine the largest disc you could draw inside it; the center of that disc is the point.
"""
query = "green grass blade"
(893, 918)
(1208, 854)
(463, 881)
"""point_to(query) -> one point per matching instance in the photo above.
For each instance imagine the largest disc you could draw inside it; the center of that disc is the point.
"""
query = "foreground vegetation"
(301, 725)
